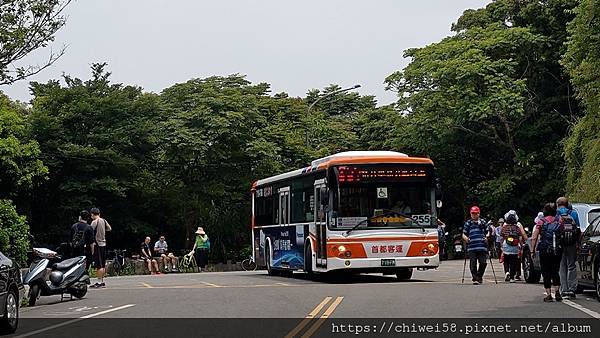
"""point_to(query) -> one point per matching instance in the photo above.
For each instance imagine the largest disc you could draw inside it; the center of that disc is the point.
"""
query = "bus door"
(320, 225)
(284, 206)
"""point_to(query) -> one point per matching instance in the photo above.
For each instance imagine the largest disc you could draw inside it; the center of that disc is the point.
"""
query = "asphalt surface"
(429, 294)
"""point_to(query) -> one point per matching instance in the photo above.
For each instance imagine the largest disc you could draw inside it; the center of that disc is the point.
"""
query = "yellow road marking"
(321, 320)
(307, 319)
(146, 285)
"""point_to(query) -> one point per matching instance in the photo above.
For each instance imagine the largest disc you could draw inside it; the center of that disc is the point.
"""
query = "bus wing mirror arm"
(324, 197)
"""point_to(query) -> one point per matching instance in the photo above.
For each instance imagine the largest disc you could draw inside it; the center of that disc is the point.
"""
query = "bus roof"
(348, 157)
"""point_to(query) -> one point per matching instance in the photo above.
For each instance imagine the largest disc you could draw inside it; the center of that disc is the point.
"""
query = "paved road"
(434, 293)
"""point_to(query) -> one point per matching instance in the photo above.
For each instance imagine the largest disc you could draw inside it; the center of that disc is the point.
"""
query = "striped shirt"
(475, 230)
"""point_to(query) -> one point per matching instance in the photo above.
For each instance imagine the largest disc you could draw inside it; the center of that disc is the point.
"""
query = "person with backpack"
(569, 240)
(513, 235)
(82, 239)
(545, 240)
(474, 234)
(201, 248)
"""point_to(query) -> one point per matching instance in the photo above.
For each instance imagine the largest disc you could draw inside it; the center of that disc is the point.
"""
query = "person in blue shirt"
(568, 267)
(475, 233)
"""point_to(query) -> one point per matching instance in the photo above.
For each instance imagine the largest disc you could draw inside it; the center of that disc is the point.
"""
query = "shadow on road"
(338, 278)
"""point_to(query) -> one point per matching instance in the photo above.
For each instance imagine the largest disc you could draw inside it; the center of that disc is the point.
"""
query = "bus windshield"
(384, 197)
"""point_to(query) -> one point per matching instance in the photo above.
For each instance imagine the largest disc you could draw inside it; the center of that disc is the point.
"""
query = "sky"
(295, 46)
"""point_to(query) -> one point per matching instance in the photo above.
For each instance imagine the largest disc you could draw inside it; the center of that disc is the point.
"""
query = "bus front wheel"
(308, 259)
(404, 274)
(270, 270)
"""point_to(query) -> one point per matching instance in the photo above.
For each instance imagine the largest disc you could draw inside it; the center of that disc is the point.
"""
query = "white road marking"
(582, 308)
(68, 322)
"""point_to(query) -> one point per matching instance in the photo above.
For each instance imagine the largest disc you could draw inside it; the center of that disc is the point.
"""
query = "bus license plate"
(388, 262)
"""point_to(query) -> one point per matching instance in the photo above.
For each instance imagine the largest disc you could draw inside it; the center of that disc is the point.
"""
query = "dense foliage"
(493, 105)
(582, 60)
(13, 232)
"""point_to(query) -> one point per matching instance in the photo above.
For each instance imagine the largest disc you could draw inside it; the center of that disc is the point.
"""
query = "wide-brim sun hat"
(200, 231)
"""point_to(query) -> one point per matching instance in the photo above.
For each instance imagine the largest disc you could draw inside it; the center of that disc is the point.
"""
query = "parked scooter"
(67, 276)
(458, 245)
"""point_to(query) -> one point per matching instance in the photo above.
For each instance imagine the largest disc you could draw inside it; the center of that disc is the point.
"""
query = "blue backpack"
(550, 237)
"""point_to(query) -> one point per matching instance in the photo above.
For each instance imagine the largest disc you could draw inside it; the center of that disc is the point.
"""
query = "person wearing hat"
(474, 234)
(513, 235)
(200, 249)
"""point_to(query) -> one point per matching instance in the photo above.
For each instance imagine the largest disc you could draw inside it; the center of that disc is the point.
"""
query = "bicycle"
(120, 265)
(249, 264)
(188, 263)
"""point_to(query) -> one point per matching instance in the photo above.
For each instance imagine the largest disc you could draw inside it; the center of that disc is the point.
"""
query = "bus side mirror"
(438, 203)
(324, 197)
(438, 191)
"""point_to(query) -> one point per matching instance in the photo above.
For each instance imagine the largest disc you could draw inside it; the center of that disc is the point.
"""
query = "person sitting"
(147, 257)
(401, 208)
(161, 251)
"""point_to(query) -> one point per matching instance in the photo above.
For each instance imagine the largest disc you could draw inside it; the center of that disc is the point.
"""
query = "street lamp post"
(322, 97)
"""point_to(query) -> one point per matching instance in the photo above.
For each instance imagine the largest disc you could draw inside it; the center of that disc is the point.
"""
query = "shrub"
(14, 241)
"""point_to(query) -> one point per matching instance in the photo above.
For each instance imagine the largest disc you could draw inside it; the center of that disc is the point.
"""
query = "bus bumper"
(375, 264)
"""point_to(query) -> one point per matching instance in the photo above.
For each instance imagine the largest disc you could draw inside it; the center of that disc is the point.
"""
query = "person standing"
(498, 238)
(82, 239)
(474, 234)
(513, 235)
(545, 241)
(442, 238)
(100, 227)
(200, 249)
(569, 240)
(491, 238)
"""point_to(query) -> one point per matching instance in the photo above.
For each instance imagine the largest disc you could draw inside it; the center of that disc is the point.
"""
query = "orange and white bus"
(356, 211)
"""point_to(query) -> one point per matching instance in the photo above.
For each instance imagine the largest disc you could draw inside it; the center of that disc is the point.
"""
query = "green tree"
(20, 171)
(27, 25)
(491, 104)
(20, 166)
(582, 60)
(215, 141)
(13, 232)
(96, 139)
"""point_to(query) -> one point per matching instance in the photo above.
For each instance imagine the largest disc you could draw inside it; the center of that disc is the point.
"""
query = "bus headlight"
(343, 252)
(429, 249)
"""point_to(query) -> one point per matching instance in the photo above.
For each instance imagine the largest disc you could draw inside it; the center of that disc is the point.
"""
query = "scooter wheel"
(34, 294)
(80, 291)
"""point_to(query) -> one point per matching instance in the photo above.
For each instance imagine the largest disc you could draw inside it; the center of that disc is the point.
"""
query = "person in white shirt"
(161, 250)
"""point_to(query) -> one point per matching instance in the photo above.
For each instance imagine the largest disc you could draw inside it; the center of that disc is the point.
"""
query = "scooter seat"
(67, 263)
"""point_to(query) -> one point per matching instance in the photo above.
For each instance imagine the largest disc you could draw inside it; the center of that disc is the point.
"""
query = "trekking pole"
(464, 268)
(464, 265)
(493, 272)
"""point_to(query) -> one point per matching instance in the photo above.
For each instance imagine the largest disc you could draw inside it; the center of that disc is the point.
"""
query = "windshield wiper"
(389, 212)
